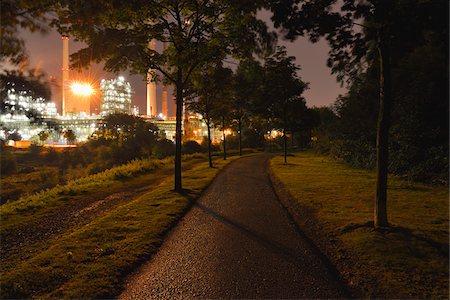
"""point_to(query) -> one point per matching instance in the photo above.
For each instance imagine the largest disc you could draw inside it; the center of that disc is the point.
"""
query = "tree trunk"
(179, 112)
(285, 137)
(224, 139)
(209, 144)
(240, 135)
(380, 218)
(285, 145)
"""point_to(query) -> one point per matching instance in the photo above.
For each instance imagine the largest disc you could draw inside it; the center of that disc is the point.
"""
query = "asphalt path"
(237, 241)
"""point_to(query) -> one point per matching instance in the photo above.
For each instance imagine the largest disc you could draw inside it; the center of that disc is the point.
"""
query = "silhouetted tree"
(247, 88)
(15, 15)
(282, 89)
(209, 86)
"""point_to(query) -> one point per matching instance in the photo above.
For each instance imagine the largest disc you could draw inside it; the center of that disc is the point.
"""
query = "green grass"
(93, 261)
(411, 259)
(29, 208)
(32, 207)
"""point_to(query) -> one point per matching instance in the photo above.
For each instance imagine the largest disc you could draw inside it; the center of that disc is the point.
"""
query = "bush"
(164, 148)
(8, 162)
(232, 142)
(52, 157)
(214, 147)
(191, 147)
(34, 150)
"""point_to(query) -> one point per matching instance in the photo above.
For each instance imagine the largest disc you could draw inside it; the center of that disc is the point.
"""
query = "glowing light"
(227, 132)
(82, 89)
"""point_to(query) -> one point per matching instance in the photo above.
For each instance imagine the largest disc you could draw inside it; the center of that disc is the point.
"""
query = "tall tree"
(247, 87)
(223, 107)
(282, 89)
(363, 33)
(197, 31)
(206, 95)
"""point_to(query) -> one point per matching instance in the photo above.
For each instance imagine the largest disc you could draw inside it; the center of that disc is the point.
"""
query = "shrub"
(214, 147)
(164, 148)
(8, 162)
(191, 147)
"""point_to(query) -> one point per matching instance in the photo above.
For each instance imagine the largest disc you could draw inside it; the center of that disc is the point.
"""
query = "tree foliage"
(363, 35)
(14, 17)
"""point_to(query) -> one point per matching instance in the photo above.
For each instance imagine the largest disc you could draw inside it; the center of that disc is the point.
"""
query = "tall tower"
(151, 87)
(165, 107)
(65, 72)
(71, 104)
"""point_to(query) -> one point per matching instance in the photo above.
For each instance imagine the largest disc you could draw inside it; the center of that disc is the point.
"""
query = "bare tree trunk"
(285, 145)
(209, 144)
(380, 217)
(239, 126)
(285, 137)
(179, 112)
(224, 139)
(240, 135)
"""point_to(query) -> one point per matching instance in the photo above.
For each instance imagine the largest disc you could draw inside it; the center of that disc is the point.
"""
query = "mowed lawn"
(410, 260)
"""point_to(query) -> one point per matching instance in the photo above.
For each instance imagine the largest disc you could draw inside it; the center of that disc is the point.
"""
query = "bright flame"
(82, 89)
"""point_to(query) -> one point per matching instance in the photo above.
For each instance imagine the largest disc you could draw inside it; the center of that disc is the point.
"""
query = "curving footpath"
(237, 241)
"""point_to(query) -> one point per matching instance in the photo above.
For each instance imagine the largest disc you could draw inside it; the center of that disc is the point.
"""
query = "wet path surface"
(237, 241)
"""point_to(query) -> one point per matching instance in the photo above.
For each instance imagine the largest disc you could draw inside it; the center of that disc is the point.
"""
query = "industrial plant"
(76, 115)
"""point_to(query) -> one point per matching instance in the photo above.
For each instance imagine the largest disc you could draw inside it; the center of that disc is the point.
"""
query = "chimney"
(65, 72)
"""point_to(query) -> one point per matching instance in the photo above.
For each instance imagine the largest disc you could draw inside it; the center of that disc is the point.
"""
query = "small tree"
(247, 86)
(207, 95)
(223, 108)
(70, 136)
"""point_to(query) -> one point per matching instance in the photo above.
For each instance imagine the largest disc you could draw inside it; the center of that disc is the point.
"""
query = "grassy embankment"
(36, 171)
(410, 260)
(92, 261)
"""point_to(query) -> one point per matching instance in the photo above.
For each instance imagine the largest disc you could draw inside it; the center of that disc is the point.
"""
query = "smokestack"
(65, 72)
(151, 87)
(165, 107)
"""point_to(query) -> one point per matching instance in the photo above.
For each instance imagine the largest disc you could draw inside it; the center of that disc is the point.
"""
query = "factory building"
(116, 96)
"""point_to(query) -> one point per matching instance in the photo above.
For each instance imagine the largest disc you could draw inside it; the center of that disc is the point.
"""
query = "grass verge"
(334, 205)
(92, 262)
(25, 209)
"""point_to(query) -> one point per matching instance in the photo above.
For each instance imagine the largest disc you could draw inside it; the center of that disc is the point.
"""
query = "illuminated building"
(166, 126)
(135, 110)
(21, 102)
(23, 109)
(116, 96)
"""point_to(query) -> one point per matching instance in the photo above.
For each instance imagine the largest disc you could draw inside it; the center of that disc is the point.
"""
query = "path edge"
(135, 269)
(309, 228)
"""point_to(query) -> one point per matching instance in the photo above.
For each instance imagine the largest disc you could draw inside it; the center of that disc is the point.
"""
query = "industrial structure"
(115, 96)
(71, 104)
(152, 108)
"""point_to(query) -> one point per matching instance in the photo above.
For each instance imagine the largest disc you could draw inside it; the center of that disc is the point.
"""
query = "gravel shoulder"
(237, 241)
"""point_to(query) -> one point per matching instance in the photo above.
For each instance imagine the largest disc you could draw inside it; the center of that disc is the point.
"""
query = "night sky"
(46, 53)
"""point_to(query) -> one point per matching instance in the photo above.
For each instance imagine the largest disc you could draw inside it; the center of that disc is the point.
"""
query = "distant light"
(82, 89)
